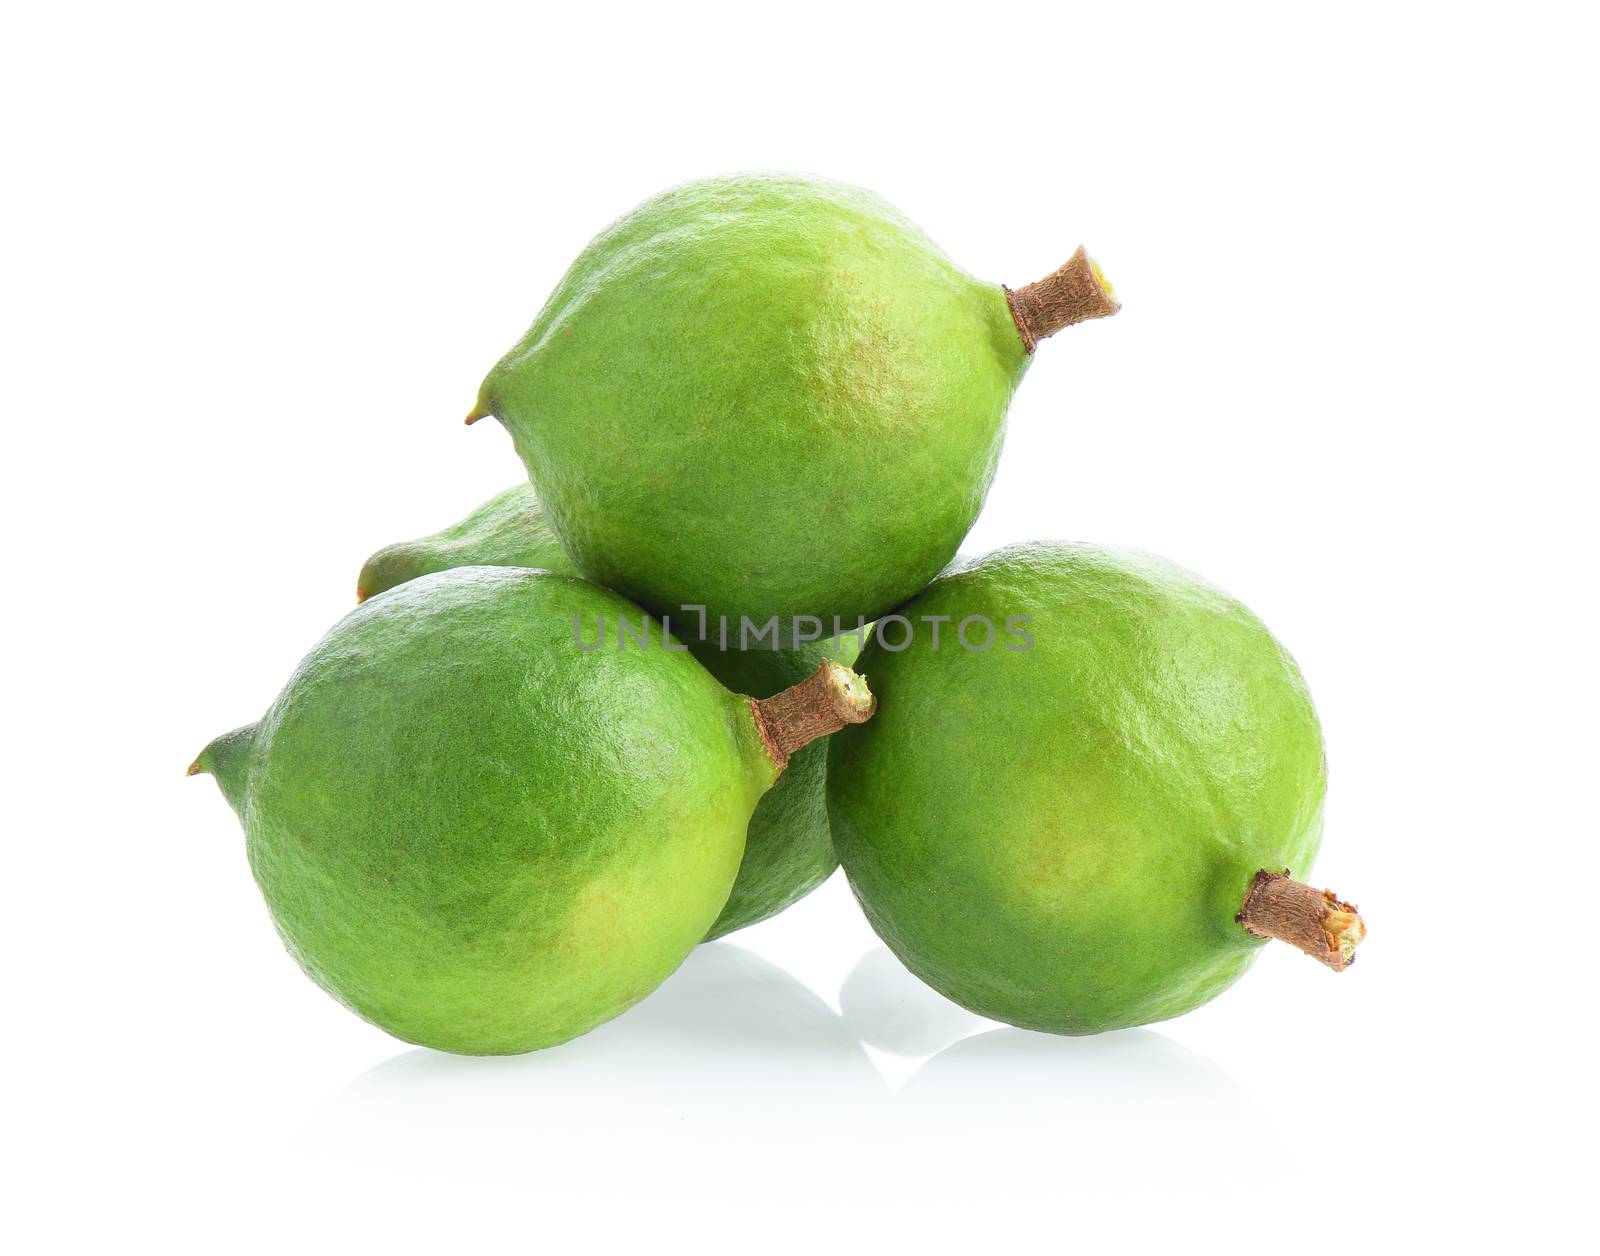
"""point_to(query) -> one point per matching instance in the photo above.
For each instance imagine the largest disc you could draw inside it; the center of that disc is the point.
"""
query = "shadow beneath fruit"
(888, 1008)
(730, 1052)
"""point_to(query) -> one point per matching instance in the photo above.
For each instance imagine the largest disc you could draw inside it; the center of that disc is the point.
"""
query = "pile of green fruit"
(562, 742)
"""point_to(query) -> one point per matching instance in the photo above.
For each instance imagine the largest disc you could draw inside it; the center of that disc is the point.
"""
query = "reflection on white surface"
(725, 1003)
(1105, 1112)
(730, 1051)
(888, 1008)
(733, 1052)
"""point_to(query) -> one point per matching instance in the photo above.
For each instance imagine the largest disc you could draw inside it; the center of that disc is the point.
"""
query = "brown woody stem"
(1073, 294)
(1316, 921)
(822, 703)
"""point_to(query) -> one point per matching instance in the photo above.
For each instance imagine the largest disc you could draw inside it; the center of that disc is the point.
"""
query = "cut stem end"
(822, 703)
(1316, 921)
(1077, 292)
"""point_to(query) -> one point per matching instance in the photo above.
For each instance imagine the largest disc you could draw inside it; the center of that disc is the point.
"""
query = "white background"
(256, 259)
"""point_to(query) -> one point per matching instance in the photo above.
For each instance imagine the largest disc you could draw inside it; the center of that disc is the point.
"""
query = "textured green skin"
(1061, 838)
(479, 837)
(768, 394)
(788, 849)
(508, 530)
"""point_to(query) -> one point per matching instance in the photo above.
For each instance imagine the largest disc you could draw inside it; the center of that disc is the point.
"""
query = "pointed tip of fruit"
(228, 760)
(473, 415)
(361, 595)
